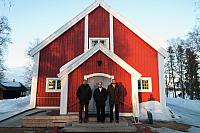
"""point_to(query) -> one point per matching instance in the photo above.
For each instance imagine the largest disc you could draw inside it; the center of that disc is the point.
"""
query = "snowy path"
(188, 116)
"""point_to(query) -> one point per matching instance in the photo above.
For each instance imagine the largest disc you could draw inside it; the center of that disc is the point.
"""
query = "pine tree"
(192, 75)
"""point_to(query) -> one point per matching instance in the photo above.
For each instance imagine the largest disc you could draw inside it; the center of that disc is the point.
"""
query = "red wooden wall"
(99, 23)
(108, 67)
(55, 55)
(140, 55)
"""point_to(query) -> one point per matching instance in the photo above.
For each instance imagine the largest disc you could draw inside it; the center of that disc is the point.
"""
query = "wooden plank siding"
(99, 23)
(138, 54)
(109, 67)
(55, 55)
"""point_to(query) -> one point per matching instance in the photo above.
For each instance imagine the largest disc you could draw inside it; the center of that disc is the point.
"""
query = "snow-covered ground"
(184, 110)
(188, 112)
(10, 107)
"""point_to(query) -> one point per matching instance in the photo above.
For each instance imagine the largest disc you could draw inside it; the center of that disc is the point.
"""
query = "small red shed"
(97, 45)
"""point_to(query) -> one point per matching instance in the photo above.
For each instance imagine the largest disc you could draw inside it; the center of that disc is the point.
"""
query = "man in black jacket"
(100, 97)
(84, 94)
(114, 94)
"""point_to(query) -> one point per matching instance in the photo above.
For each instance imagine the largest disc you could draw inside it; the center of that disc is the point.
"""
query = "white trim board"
(36, 59)
(48, 107)
(161, 80)
(111, 34)
(86, 34)
(83, 14)
(98, 74)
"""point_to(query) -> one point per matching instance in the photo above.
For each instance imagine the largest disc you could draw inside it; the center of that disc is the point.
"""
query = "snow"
(11, 84)
(188, 104)
(10, 107)
(188, 112)
(159, 112)
(184, 111)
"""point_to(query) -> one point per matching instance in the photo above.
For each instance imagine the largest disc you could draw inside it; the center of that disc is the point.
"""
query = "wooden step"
(48, 121)
(100, 127)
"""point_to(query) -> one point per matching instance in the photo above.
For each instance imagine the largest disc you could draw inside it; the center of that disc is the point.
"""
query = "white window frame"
(150, 85)
(47, 85)
(98, 38)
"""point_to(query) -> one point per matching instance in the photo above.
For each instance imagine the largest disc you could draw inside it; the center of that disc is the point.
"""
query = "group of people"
(100, 94)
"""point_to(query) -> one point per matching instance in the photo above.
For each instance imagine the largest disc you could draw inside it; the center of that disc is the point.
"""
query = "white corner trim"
(161, 80)
(36, 59)
(47, 85)
(135, 100)
(150, 84)
(68, 25)
(111, 34)
(86, 34)
(98, 74)
(98, 38)
(64, 95)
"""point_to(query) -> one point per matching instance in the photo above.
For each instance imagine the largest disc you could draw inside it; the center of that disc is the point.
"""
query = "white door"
(93, 82)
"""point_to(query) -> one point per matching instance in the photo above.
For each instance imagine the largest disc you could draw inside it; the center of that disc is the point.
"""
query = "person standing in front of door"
(100, 97)
(114, 94)
(84, 94)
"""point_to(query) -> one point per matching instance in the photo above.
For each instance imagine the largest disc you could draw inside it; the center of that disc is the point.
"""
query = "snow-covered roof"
(92, 7)
(11, 84)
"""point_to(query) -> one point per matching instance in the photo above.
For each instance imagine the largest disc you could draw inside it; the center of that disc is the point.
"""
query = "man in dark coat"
(84, 94)
(100, 97)
(114, 94)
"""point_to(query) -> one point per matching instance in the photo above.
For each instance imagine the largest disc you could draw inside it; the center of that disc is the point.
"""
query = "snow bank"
(188, 104)
(10, 107)
(159, 112)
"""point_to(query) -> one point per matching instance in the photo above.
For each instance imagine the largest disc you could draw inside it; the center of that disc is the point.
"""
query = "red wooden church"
(97, 45)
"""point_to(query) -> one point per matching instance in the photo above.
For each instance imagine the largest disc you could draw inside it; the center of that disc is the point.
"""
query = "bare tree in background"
(8, 3)
(29, 66)
(171, 65)
(4, 41)
(180, 67)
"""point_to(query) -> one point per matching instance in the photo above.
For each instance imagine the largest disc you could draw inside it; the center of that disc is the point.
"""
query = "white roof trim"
(68, 25)
(73, 64)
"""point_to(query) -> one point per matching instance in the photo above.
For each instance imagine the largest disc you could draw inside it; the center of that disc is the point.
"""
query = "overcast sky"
(30, 19)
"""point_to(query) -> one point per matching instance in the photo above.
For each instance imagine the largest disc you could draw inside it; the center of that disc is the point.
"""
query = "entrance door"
(93, 82)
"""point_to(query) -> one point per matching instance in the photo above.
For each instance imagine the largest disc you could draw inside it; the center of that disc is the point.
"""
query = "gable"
(90, 9)
(76, 62)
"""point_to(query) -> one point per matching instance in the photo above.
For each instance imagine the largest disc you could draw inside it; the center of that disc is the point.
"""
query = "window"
(95, 41)
(53, 85)
(144, 84)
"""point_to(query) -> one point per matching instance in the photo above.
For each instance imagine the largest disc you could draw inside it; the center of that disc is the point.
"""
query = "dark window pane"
(58, 84)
